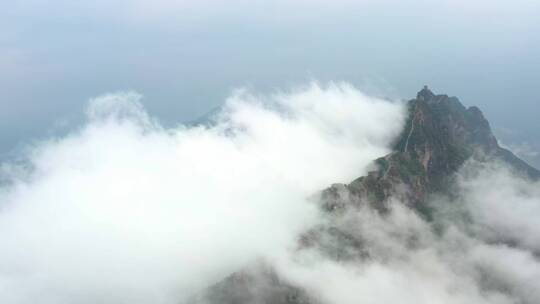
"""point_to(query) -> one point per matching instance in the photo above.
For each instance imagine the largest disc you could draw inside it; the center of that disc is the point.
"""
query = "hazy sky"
(126, 209)
(185, 57)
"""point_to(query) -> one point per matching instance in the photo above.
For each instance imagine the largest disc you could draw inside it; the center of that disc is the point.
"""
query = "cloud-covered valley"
(125, 210)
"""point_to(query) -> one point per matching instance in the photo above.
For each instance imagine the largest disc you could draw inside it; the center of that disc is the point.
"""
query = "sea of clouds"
(125, 210)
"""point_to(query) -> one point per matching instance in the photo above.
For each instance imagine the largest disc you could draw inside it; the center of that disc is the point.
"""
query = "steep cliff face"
(439, 137)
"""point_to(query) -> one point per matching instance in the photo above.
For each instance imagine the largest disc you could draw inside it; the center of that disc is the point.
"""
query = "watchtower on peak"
(425, 94)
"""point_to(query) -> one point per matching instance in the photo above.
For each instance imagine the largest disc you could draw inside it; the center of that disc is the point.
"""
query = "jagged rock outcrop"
(440, 135)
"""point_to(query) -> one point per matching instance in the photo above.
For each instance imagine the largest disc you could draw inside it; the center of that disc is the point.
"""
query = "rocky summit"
(439, 136)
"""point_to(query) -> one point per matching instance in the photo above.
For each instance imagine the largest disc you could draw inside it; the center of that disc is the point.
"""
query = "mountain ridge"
(439, 136)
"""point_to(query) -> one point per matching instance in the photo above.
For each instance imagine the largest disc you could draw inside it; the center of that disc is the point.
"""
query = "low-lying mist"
(124, 210)
(480, 247)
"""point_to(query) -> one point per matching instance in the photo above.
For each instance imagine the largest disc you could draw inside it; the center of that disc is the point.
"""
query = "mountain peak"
(425, 94)
(440, 135)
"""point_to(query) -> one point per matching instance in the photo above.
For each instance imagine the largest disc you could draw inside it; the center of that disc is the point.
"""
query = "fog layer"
(124, 210)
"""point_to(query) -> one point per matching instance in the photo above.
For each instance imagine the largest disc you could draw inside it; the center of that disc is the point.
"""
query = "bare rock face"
(439, 136)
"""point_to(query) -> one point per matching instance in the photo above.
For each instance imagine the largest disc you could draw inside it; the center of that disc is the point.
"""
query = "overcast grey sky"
(185, 57)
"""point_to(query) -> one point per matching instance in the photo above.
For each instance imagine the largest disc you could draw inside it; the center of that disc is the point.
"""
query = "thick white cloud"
(123, 210)
(481, 248)
(503, 206)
